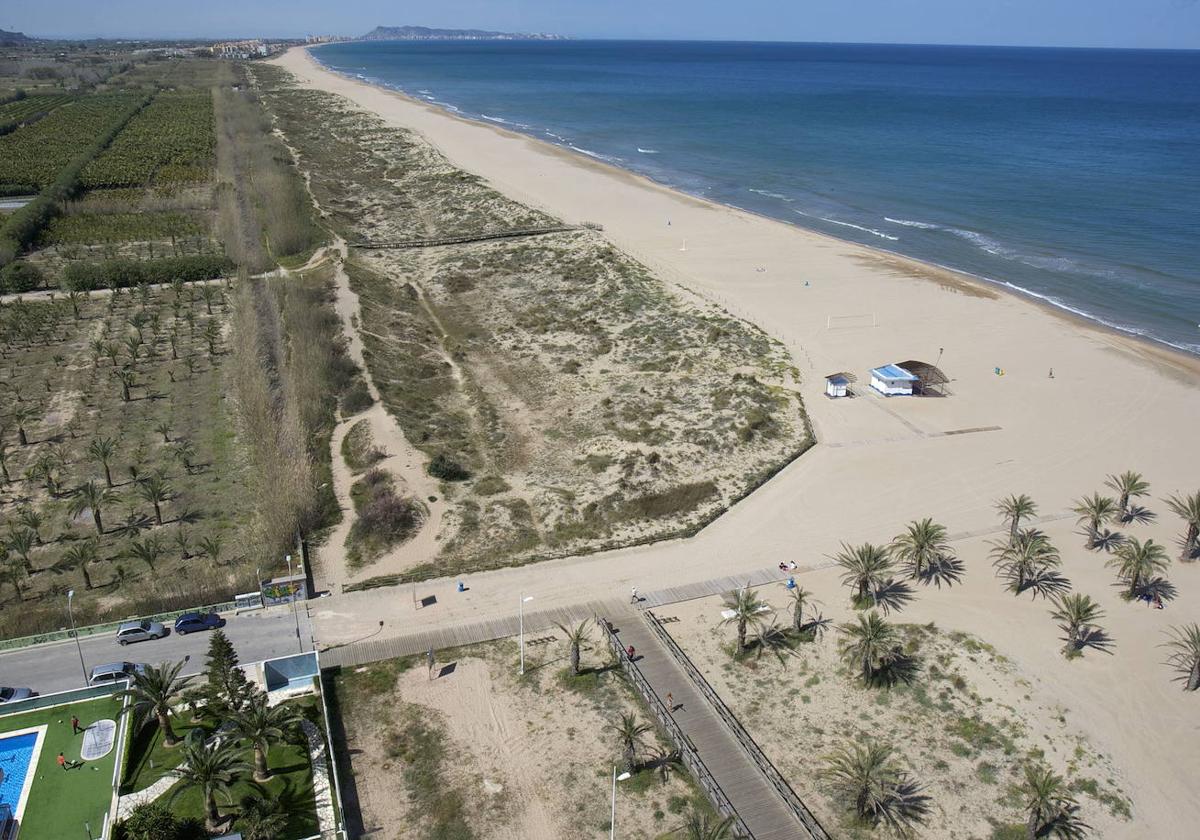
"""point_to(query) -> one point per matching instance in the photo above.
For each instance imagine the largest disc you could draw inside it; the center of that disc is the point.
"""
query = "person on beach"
(633, 598)
(670, 702)
(75, 727)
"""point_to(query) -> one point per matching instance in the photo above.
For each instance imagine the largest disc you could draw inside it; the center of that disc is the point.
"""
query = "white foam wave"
(912, 224)
(769, 194)
(872, 231)
(503, 121)
(596, 155)
(647, 151)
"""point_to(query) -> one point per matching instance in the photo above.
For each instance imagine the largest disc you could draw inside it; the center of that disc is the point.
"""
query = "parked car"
(115, 672)
(8, 695)
(139, 631)
(193, 621)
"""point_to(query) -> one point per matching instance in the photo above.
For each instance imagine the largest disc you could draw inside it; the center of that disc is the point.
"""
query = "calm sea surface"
(1071, 175)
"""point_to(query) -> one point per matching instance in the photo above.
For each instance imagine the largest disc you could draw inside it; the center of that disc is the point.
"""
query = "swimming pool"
(18, 753)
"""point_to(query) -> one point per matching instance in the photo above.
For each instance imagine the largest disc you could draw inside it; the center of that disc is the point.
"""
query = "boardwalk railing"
(688, 755)
(461, 240)
(739, 732)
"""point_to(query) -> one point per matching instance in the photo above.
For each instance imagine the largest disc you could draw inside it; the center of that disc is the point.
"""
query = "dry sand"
(1113, 404)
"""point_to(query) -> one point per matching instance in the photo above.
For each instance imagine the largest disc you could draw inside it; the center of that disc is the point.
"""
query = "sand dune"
(1113, 404)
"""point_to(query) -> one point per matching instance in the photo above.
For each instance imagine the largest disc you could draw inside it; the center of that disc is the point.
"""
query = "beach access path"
(1113, 404)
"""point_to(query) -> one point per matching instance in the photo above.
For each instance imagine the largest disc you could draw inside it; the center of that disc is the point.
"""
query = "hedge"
(20, 277)
(111, 274)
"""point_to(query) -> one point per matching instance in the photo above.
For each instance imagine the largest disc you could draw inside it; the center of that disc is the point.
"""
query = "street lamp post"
(295, 614)
(612, 823)
(78, 647)
(521, 620)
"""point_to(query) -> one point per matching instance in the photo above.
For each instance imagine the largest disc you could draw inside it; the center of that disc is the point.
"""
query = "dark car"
(193, 621)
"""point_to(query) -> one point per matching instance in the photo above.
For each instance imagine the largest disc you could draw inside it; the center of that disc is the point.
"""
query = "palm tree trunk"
(157, 513)
(87, 578)
(1190, 542)
(211, 818)
(1013, 529)
(741, 635)
(96, 519)
(261, 772)
(107, 475)
(1031, 827)
(574, 659)
(164, 726)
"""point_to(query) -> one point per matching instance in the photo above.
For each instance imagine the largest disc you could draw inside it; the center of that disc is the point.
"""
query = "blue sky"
(1108, 23)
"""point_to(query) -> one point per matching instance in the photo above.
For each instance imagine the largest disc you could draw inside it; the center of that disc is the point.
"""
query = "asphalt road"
(264, 634)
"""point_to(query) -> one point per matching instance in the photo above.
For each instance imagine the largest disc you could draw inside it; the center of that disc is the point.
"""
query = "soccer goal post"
(835, 322)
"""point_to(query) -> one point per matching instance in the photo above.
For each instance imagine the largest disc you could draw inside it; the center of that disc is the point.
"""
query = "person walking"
(629, 652)
(670, 702)
(75, 727)
(633, 598)
(62, 761)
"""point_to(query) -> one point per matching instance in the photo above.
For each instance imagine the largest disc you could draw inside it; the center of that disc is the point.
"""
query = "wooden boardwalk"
(441, 638)
(463, 240)
(735, 779)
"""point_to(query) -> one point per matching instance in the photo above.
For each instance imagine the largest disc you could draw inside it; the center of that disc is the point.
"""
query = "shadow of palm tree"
(892, 595)
(1138, 514)
(900, 667)
(908, 802)
(1157, 588)
(1107, 540)
(1094, 638)
(772, 639)
(1046, 582)
(947, 570)
(816, 627)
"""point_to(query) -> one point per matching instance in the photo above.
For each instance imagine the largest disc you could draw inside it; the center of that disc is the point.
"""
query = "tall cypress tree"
(228, 689)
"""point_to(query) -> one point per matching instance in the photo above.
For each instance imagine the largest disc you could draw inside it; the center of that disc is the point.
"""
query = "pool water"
(16, 754)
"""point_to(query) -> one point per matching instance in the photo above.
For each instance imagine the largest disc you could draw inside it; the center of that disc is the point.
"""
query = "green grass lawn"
(291, 783)
(60, 802)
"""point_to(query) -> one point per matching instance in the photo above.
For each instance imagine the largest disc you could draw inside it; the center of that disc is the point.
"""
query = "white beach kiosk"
(893, 381)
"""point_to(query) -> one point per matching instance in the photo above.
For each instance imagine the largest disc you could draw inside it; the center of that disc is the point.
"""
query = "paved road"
(55, 667)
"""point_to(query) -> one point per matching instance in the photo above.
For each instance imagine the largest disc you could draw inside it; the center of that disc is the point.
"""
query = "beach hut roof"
(893, 372)
(842, 377)
(927, 373)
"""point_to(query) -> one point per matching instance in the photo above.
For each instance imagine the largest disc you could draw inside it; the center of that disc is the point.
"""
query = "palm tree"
(871, 644)
(210, 547)
(79, 555)
(128, 380)
(865, 775)
(801, 598)
(21, 544)
(102, 451)
(164, 429)
(575, 639)
(214, 767)
(631, 733)
(1136, 561)
(701, 826)
(93, 497)
(184, 452)
(748, 610)
(1128, 485)
(921, 547)
(1050, 806)
(1185, 656)
(12, 569)
(261, 818)
(1075, 612)
(31, 519)
(148, 550)
(867, 568)
(262, 726)
(155, 490)
(1187, 508)
(21, 415)
(4, 459)
(1094, 512)
(1022, 560)
(154, 692)
(1014, 509)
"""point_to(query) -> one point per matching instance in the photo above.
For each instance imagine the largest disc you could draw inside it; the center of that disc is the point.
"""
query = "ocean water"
(1071, 175)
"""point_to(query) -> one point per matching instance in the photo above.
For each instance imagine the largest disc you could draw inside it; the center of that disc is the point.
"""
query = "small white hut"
(837, 385)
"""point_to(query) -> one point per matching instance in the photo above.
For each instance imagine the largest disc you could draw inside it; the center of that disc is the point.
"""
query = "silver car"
(115, 672)
(11, 695)
(139, 631)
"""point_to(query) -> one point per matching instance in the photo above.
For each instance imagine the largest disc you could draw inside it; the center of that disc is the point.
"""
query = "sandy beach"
(1112, 404)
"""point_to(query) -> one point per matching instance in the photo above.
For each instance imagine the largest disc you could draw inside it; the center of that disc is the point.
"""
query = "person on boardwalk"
(629, 652)
(633, 598)
(75, 727)
(670, 702)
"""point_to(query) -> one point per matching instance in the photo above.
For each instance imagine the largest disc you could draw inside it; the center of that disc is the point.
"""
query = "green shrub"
(490, 485)
(358, 447)
(83, 276)
(356, 398)
(19, 277)
(447, 469)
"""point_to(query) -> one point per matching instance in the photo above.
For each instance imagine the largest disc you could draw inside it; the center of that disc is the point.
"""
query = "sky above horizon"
(1081, 23)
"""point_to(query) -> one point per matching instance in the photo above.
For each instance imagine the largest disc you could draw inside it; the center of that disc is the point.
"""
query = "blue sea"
(1070, 175)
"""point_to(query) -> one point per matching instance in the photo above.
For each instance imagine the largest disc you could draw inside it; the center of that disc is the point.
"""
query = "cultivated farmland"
(170, 142)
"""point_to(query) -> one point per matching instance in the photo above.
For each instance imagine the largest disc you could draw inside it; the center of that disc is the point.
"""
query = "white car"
(115, 672)
(139, 631)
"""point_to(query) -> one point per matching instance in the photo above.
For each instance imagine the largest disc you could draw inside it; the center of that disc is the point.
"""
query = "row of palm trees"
(213, 765)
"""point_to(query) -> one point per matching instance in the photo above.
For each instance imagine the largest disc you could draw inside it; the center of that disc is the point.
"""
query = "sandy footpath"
(1113, 404)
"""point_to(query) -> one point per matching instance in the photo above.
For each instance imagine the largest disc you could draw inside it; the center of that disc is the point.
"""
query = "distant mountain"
(9, 39)
(424, 33)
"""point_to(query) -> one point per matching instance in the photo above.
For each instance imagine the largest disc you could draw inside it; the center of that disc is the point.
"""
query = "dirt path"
(402, 460)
